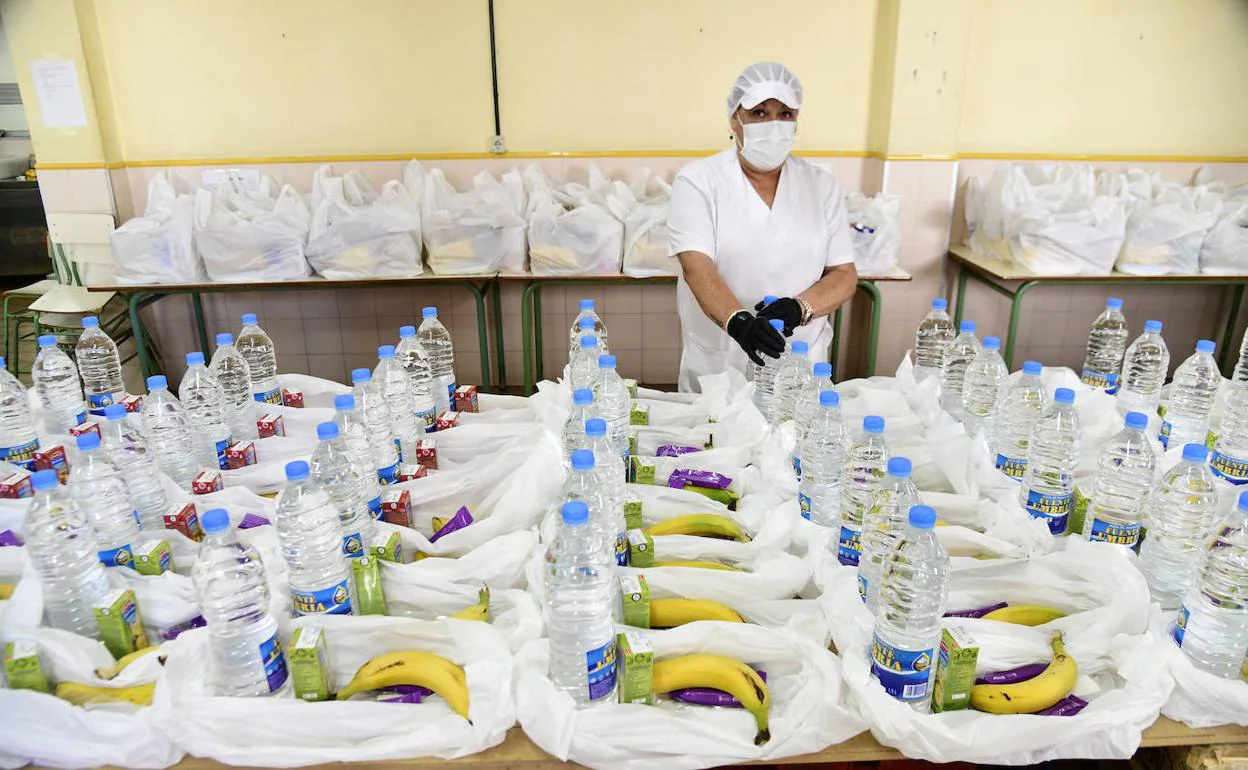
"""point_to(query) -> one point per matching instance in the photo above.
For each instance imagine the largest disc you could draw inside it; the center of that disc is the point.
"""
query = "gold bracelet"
(808, 312)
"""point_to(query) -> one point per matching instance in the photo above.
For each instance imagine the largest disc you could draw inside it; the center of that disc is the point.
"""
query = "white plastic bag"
(357, 232)
(571, 232)
(1199, 699)
(1166, 225)
(477, 231)
(644, 213)
(875, 231)
(248, 234)
(159, 246)
(1225, 248)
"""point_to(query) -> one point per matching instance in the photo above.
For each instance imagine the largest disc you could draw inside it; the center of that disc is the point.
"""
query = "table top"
(1006, 271)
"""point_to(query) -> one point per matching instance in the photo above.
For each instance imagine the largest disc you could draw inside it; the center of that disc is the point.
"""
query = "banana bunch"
(1025, 615)
(669, 613)
(722, 673)
(1034, 695)
(479, 611)
(6, 591)
(112, 671)
(81, 694)
(725, 496)
(699, 565)
(413, 667)
(701, 525)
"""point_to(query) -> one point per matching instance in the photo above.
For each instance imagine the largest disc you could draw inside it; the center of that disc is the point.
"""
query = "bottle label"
(1180, 626)
(388, 475)
(1106, 382)
(1229, 468)
(353, 545)
(1053, 509)
(118, 557)
(600, 663)
(334, 600)
(1014, 467)
(23, 455)
(222, 445)
(903, 673)
(849, 547)
(797, 467)
(1164, 434)
(274, 663)
(428, 418)
(374, 508)
(452, 385)
(621, 549)
(862, 588)
(1119, 534)
(398, 447)
(803, 502)
(97, 401)
(273, 396)
(80, 418)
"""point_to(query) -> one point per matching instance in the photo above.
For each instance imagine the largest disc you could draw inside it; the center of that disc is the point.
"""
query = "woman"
(753, 221)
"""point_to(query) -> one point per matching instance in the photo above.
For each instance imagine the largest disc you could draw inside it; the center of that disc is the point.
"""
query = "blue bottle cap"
(575, 512)
(385, 351)
(407, 331)
(800, 347)
(1152, 326)
(360, 375)
(429, 312)
(1243, 497)
(296, 470)
(90, 322)
(327, 430)
(46, 341)
(899, 467)
(1136, 420)
(940, 303)
(1206, 346)
(967, 327)
(596, 427)
(606, 362)
(1032, 367)
(873, 424)
(992, 343)
(214, 520)
(1113, 303)
(582, 396)
(823, 369)
(769, 298)
(1064, 396)
(344, 402)
(88, 441)
(46, 479)
(194, 358)
(589, 341)
(777, 324)
(922, 517)
(585, 323)
(225, 338)
(829, 398)
(115, 412)
(583, 460)
(1195, 453)
(587, 304)
(249, 319)
(157, 381)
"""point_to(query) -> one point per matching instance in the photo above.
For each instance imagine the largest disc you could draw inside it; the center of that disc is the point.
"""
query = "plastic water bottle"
(807, 404)
(913, 591)
(234, 374)
(959, 355)
(56, 381)
(375, 413)
(167, 429)
(596, 326)
(584, 484)
(1192, 393)
(1048, 490)
(351, 496)
(583, 366)
(574, 429)
(933, 338)
(18, 440)
(614, 404)
(1024, 403)
(1212, 625)
(983, 387)
(580, 602)
(355, 434)
(126, 448)
(396, 388)
(101, 495)
(883, 527)
(791, 377)
(1144, 370)
(1107, 343)
(607, 466)
(257, 348)
(764, 379)
(310, 534)
(1182, 511)
(1124, 477)
(247, 658)
(818, 463)
(861, 473)
(99, 365)
(62, 548)
(428, 397)
(204, 400)
(436, 341)
(1241, 368)
(1230, 451)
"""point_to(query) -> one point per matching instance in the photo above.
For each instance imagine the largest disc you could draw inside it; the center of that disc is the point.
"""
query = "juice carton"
(636, 667)
(53, 459)
(292, 397)
(120, 622)
(387, 546)
(640, 548)
(465, 399)
(207, 482)
(153, 557)
(641, 470)
(407, 472)
(396, 507)
(446, 420)
(955, 670)
(81, 429)
(270, 425)
(240, 454)
(16, 485)
(309, 664)
(631, 386)
(632, 514)
(427, 454)
(635, 595)
(366, 573)
(639, 414)
(132, 404)
(183, 518)
(22, 668)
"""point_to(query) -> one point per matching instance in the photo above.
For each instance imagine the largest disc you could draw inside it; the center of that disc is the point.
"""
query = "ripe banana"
(1033, 695)
(479, 611)
(413, 667)
(669, 613)
(81, 694)
(698, 565)
(1025, 614)
(112, 671)
(720, 673)
(6, 591)
(702, 525)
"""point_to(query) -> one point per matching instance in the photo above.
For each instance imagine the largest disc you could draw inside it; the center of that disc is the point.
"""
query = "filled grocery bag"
(358, 232)
(1166, 224)
(1225, 248)
(1199, 699)
(875, 231)
(477, 231)
(571, 231)
(642, 206)
(158, 247)
(252, 233)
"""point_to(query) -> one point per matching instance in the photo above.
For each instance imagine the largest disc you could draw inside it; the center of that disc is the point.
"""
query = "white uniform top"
(781, 250)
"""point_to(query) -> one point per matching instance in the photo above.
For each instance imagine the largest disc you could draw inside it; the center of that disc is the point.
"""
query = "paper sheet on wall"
(60, 97)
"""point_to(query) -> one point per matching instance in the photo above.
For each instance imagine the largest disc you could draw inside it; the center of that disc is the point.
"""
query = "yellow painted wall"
(1108, 76)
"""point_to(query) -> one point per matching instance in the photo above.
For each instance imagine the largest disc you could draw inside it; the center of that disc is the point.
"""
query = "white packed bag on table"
(251, 233)
(1225, 248)
(1106, 635)
(571, 231)
(646, 252)
(875, 231)
(477, 231)
(1056, 223)
(158, 247)
(1199, 699)
(284, 732)
(357, 232)
(1166, 224)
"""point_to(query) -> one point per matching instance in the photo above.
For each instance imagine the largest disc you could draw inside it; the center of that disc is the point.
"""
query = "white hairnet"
(762, 81)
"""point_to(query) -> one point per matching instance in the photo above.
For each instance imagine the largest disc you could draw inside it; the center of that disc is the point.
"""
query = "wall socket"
(497, 146)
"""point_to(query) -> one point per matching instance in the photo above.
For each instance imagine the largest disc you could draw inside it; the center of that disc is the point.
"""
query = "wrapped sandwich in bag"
(571, 231)
(358, 232)
(251, 233)
(477, 231)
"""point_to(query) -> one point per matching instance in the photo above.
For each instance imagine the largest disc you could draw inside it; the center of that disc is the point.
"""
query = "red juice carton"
(132, 404)
(445, 420)
(90, 426)
(396, 507)
(292, 398)
(411, 472)
(183, 518)
(465, 399)
(53, 458)
(271, 425)
(16, 485)
(427, 454)
(207, 482)
(240, 454)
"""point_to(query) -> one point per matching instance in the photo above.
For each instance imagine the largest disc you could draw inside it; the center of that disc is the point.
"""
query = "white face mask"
(766, 145)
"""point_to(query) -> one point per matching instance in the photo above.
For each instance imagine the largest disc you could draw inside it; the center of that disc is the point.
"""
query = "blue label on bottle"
(849, 546)
(222, 463)
(23, 455)
(428, 418)
(797, 467)
(1229, 468)
(398, 447)
(803, 502)
(621, 549)
(862, 588)
(1053, 509)
(452, 385)
(1014, 467)
(80, 418)
(1120, 534)
(353, 545)
(903, 673)
(388, 475)
(273, 396)
(97, 401)
(1106, 382)
(600, 663)
(334, 600)
(1164, 434)
(118, 557)
(374, 508)
(1180, 626)
(274, 663)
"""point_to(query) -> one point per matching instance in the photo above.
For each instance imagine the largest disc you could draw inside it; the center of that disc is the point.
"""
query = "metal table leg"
(526, 331)
(960, 296)
(1016, 306)
(500, 353)
(136, 326)
(539, 369)
(197, 303)
(1228, 334)
(873, 333)
(483, 337)
(834, 352)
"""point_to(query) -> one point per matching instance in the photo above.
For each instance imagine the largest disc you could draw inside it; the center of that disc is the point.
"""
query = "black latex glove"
(755, 335)
(786, 309)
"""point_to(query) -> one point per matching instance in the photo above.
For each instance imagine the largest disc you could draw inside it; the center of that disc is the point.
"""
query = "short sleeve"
(690, 219)
(840, 245)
